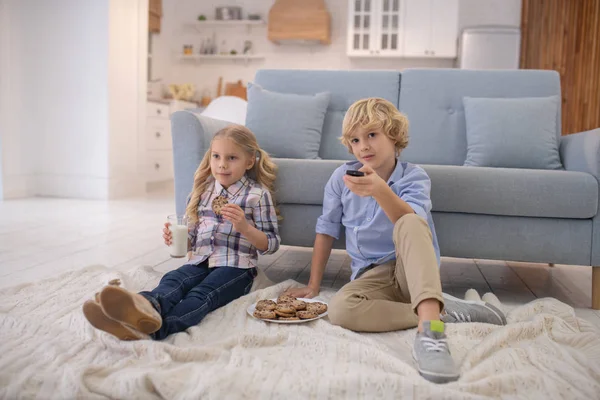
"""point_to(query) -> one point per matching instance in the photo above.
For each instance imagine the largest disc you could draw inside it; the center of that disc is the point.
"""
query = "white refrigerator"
(489, 47)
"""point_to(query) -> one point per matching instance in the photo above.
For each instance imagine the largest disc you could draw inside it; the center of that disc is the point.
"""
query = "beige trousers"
(385, 297)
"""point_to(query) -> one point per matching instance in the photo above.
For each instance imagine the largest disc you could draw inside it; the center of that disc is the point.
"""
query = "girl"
(232, 220)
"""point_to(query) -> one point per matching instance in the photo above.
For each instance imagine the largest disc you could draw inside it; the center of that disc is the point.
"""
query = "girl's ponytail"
(201, 182)
(266, 173)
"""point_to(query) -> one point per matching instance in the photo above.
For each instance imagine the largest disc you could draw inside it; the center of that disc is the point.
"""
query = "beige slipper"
(96, 317)
(131, 309)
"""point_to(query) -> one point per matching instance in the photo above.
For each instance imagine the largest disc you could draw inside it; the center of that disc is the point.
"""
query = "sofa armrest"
(581, 152)
(191, 135)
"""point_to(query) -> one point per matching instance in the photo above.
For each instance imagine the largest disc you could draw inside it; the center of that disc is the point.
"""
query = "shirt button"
(356, 229)
(368, 219)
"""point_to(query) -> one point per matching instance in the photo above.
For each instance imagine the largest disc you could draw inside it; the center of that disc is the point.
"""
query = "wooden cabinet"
(154, 15)
(402, 28)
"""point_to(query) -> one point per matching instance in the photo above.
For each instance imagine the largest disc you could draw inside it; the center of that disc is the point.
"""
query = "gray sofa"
(548, 216)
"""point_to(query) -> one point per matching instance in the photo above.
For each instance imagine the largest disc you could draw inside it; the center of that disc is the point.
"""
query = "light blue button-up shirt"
(368, 230)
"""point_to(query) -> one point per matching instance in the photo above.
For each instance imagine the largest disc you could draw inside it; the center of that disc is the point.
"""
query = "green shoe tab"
(437, 326)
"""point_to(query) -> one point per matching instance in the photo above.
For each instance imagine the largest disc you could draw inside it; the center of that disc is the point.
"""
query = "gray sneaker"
(458, 310)
(431, 352)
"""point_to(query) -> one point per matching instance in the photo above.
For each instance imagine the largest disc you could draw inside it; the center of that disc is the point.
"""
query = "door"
(444, 28)
(361, 37)
(389, 35)
(417, 27)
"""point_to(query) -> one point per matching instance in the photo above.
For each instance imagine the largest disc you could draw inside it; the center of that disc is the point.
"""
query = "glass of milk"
(179, 229)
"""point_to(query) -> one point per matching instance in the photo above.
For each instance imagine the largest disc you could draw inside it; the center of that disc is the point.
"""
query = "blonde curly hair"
(263, 171)
(376, 113)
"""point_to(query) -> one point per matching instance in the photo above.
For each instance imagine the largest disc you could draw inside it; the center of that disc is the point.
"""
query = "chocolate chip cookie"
(266, 305)
(307, 314)
(265, 314)
(298, 305)
(317, 307)
(285, 310)
(218, 203)
(284, 298)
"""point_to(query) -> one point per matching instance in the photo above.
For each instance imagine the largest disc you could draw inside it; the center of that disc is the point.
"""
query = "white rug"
(49, 351)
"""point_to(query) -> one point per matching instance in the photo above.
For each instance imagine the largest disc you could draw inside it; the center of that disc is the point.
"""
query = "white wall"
(73, 98)
(65, 44)
(18, 156)
(127, 76)
(205, 75)
(489, 12)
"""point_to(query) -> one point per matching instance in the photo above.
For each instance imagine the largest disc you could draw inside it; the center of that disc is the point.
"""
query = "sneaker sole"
(125, 307)
(499, 314)
(434, 377)
(95, 316)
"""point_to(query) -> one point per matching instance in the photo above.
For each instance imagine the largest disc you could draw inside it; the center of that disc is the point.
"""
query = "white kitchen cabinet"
(430, 28)
(402, 28)
(157, 141)
(374, 28)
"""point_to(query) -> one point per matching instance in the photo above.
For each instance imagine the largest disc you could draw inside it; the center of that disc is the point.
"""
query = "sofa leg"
(551, 264)
(596, 288)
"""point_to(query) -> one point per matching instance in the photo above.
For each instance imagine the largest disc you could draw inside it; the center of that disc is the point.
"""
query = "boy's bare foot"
(96, 317)
(131, 309)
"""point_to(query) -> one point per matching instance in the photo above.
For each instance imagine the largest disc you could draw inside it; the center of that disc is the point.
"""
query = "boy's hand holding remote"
(370, 184)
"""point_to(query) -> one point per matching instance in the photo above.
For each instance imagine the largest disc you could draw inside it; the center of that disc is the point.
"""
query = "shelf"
(221, 57)
(233, 22)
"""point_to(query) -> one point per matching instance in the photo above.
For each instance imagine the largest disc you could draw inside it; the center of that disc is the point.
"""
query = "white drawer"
(160, 165)
(157, 110)
(158, 134)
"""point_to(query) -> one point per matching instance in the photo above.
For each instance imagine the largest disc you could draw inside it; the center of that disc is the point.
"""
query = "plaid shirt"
(215, 239)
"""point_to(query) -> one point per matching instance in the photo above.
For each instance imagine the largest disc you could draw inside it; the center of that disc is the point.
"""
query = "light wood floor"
(43, 237)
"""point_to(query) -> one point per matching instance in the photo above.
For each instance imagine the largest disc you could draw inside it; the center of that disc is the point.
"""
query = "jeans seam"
(210, 295)
(180, 285)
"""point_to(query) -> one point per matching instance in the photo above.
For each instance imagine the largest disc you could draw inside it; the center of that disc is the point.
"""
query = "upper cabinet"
(403, 28)
(430, 28)
(374, 28)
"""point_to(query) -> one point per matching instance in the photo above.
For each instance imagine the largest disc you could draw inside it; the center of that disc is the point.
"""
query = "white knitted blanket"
(47, 350)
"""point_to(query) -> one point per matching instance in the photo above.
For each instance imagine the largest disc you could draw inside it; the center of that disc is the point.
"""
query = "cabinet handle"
(156, 166)
(427, 52)
(157, 135)
(433, 53)
(158, 111)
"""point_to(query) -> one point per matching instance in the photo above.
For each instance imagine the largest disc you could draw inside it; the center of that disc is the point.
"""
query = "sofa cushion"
(303, 181)
(493, 191)
(287, 124)
(432, 99)
(345, 87)
(512, 133)
(513, 192)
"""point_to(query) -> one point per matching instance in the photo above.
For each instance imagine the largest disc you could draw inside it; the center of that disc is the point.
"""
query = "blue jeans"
(186, 295)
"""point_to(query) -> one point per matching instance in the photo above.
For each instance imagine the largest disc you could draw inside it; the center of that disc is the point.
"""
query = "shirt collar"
(397, 173)
(233, 189)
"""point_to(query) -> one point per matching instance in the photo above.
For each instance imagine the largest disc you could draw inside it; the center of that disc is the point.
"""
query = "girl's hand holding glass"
(234, 214)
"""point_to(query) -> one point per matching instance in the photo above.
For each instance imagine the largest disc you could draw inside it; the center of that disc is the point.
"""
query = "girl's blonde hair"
(263, 171)
(376, 113)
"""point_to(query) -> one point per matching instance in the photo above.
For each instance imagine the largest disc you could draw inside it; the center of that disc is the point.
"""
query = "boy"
(390, 237)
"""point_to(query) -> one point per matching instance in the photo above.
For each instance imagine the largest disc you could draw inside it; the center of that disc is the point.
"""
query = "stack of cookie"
(288, 308)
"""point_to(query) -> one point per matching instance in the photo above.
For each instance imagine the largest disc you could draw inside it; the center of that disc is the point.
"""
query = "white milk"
(179, 245)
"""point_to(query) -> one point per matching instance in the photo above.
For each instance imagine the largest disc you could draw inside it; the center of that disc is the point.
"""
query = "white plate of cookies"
(288, 310)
